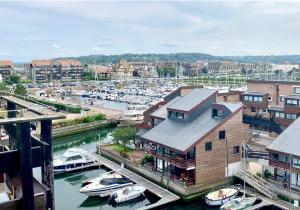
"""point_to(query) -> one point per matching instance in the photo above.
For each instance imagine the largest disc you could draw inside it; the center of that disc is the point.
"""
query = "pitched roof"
(162, 112)
(182, 135)
(41, 62)
(69, 62)
(288, 141)
(192, 99)
(6, 63)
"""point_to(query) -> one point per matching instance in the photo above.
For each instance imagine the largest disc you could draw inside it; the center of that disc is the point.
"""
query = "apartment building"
(194, 140)
(49, 70)
(284, 156)
(222, 67)
(6, 68)
(271, 105)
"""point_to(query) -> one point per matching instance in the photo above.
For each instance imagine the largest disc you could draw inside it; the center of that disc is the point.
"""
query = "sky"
(49, 29)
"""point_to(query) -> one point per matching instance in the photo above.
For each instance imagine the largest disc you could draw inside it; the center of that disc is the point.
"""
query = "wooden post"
(47, 161)
(24, 139)
(11, 128)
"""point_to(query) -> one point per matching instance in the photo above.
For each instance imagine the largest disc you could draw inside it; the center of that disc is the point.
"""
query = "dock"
(165, 196)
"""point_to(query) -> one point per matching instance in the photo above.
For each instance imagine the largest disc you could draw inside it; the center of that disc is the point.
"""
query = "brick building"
(271, 105)
(6, 68)
(194, 140)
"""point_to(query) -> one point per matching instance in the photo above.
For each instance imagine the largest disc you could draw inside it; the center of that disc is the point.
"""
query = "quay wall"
(75, 129)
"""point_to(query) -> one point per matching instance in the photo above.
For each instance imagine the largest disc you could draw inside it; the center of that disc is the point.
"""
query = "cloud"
(169, 45)
(55, 46)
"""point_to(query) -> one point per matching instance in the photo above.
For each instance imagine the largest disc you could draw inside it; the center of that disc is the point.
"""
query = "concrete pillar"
(47, 160)
(24, 139)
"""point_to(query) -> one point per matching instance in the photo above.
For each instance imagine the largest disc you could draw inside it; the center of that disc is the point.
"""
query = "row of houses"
(195, 135)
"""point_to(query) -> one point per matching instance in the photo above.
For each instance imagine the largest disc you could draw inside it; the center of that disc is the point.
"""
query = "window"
(217, 113)
(270, 98)
(297, 90)
(246, 98)
(179, 115)
(277, 114)
(291, 116)
(257, 99)
(250, 98)
(253, 109)
(222, 134)
(208, 146)
(281, 98)
(236, 150)
(282, 115)
(291, 102)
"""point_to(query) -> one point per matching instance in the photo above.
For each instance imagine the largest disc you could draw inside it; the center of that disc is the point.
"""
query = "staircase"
(258, 183)
(250, 153)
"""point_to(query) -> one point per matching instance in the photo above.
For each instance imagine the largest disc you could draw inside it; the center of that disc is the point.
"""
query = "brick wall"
(211, 165)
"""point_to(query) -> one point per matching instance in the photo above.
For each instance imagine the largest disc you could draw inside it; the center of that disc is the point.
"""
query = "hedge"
(87, 119)
(60, 106)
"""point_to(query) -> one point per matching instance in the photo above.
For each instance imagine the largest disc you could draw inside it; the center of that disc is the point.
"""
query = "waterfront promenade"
(165, 196)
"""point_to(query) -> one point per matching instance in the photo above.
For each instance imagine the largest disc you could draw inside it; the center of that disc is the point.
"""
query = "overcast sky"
(36, 30)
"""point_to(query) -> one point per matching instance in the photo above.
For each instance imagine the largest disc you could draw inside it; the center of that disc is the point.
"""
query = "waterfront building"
(6, 68)
(122, 70)
(222, 67)
(194, 140)
(284, 157)
(49, 70)
(284, 67)
(40, 70)
(271, 105)
(104, 72)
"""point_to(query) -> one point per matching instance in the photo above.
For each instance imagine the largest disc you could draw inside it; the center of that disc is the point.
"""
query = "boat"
(104, 185)
(72, 159)
(221, 196)
(242, 202)
(239, 203)
(127, 193)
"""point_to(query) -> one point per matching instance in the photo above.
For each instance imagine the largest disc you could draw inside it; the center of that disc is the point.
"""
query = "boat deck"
(164, 195)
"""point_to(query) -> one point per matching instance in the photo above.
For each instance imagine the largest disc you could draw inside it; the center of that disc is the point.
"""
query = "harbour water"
(67, 196)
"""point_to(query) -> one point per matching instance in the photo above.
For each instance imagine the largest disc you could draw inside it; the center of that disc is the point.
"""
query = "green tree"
(165, 71)
(20, 90)
(3, 87)
(12, 79)
(124, 135)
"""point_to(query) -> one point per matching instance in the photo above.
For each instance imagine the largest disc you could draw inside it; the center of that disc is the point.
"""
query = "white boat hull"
(104, 192)
(133, 192)
(212, 199)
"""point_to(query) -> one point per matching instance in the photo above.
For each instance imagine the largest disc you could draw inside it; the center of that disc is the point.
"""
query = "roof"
(6, 63)
(162, 112)
(186, 133)
(41, 62)
(69, 62)
(293, 97)
(288, 141)
(276, 108)
(192, 99)
(255, 93)
(232, 107)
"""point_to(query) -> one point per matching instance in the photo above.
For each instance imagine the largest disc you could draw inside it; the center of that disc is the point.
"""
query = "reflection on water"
(66, 188)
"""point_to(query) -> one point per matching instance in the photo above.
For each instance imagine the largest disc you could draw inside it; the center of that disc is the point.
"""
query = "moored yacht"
(72, 159)
(105, 184)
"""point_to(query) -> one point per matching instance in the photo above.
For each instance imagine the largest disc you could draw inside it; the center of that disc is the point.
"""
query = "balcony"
(278, 164)
(178, 161)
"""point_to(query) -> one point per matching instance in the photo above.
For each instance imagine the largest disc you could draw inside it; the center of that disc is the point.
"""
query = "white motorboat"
(239, 203)
(221, 196)
(4, 197)
(72, 159)
(105, 184)
(127, 193)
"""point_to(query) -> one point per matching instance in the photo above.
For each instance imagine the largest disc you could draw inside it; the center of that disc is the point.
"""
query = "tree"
(3, 87)
(124, 135)
(20, 90)
(243, 71)
(13, 79)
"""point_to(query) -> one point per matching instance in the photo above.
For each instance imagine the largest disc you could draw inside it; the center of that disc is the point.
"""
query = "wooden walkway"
(164, 195)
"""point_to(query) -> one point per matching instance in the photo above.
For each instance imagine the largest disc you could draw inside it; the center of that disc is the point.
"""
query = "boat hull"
(70, 167)
(220, 201)
(104, 192)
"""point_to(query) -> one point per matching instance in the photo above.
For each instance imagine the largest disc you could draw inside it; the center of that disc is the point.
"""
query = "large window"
(281, 98)
(291, 116)
(291, 102)
(208, 146)
(246, 98)
(257, 99)
(217, 113)
(179, 115)
(222, 135)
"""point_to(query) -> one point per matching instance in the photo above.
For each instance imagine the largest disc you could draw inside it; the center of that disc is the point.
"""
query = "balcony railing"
(178, 161)
(276, 163)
